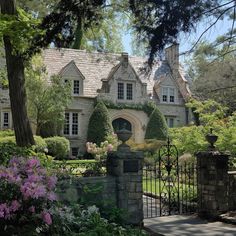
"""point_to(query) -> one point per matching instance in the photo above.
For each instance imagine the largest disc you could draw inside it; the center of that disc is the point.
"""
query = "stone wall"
(101, 190)
(232, 190)
(212, 168)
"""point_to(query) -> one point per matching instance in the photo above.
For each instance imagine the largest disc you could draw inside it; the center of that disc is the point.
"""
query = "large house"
(118, 79)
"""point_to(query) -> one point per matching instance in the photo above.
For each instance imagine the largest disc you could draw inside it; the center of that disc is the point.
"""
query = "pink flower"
(47, 217)
(109, 147)
(32, 163)
(32, 209)
(15, 205)
(52, 196)
(52, 180)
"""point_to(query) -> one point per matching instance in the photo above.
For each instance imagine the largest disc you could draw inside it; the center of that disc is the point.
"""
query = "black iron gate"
(169, 187)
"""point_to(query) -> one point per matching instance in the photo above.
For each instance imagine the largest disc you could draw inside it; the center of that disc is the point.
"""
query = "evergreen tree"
(156, 127)
(99, 124)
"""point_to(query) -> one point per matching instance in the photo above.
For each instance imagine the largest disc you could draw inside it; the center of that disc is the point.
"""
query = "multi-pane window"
(67, 124)
(120, 90)
(74, 151)
(170, 122)
(74, 123)
(129, 91)
(125, 91)
(164, 94)
(6, 120)
(76, 87)
(168, 94)
(172, 94)
(71, 125)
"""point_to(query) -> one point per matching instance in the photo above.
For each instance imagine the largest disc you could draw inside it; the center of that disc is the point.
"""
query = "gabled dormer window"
(76, 87)
(125, 91)
(168, 95)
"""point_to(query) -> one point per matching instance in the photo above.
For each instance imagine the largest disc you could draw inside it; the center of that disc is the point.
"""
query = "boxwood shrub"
(99, 124)
(156, 127)
(58, 147)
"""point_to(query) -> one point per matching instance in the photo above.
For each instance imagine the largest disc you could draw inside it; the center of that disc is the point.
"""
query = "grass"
(153, 187)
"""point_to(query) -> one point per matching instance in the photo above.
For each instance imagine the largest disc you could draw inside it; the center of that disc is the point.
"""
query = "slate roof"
(96, 66)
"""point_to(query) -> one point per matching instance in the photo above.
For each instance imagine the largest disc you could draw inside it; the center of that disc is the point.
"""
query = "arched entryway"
(121, 123)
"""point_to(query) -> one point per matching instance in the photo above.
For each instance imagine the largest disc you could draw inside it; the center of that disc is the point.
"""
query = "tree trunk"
(16, 78)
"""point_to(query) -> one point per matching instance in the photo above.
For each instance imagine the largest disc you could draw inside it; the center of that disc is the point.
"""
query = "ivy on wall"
(147, 107)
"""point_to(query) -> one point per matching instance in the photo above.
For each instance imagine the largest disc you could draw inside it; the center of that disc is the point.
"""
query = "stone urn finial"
(211, 139)
(123, 135)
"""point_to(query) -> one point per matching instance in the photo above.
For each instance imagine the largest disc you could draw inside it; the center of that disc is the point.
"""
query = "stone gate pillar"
(126, 166)
(212, 168)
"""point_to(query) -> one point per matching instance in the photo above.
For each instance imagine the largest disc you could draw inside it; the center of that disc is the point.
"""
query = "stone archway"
(136, 120)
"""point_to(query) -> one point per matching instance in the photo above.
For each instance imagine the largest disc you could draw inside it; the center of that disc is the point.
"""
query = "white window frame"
(71, 124)
(125, 91)
(168, 94)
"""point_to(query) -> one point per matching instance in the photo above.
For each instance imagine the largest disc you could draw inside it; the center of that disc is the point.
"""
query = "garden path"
(183, 225)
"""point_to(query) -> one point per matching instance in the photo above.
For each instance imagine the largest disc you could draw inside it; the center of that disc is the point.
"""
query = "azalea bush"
(26, 194)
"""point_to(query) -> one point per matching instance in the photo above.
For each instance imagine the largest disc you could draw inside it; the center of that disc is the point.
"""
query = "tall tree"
(16, 78)
(46, 101)
(213, 75)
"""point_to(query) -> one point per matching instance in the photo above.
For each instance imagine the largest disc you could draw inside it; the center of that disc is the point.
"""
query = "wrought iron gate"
(169, 187)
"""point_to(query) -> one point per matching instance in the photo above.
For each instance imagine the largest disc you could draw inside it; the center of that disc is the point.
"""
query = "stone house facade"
(118, 79)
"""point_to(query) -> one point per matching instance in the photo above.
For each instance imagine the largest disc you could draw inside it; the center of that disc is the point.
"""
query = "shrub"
(8, 148)
(58, 147)
(26, 193)
(40, 144)
(156, 127)
(99, 124)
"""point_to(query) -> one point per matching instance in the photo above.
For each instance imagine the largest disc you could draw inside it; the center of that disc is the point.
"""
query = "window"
(170, 122)
(168, 94)
(125, 91)
(129, 91)
(120, 90)
(76, 87)
(6, 123)
(71, 125)
(74, 151)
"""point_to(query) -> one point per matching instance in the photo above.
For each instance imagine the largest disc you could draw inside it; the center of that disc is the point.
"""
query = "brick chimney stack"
(172, 57)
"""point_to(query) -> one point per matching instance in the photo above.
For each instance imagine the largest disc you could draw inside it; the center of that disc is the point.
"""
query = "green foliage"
(213, 75)
(21, 29)
(99, 124)
(189, 139)
(156, 127)
(209, 111)
(46, 101)
(8, 148)
(58, 147)
(147, 107)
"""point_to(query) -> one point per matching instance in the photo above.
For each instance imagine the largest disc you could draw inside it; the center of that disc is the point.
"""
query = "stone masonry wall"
(232, 190)
(213, 179)
(93, 189)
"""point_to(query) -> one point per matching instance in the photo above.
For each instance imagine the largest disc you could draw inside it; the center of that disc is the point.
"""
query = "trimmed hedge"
(99, 124)
(156, 127)
(58, 147)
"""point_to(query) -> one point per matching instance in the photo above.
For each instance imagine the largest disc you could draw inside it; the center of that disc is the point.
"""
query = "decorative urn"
(123, 135)
(211, 139)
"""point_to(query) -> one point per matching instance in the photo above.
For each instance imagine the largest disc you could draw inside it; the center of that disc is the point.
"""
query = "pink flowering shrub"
(100, 151)
(26, 194)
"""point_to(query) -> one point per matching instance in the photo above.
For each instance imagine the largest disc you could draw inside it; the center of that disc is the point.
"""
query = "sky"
(187, 40)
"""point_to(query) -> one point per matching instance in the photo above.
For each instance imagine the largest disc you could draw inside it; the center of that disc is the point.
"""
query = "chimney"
(124, 59)
(172, 57)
